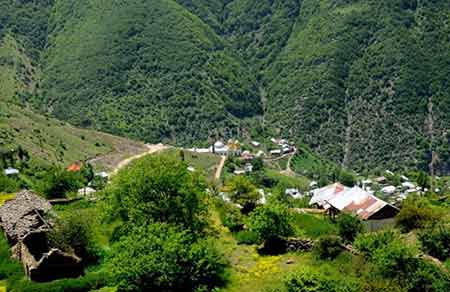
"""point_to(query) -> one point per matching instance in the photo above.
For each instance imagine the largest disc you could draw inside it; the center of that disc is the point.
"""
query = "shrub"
(308, 280)
(328, 247)
(158, 189)
(395, 260)
(368, 243)
(57, 182)
(160, 257)
(74, 233)
(8, 185)
(230, 216)
(416, 213)
(429, 278)
(243, 192)
(246, 237)
(270, 221)
(8, 266)
(349, 227)
(436, 241)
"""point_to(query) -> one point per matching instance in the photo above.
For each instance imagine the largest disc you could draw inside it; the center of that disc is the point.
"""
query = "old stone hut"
(23, 221)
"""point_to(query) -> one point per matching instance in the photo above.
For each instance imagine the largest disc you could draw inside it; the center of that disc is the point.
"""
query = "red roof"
(74, 167)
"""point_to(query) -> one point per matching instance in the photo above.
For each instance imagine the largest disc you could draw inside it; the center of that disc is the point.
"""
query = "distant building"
(102, 174)
(255, 144)
(74, 167)
(276, 152)
(11, 171)
(220, 148)
(295, 193)
(248, 167)
(239, 172)
(389, 190)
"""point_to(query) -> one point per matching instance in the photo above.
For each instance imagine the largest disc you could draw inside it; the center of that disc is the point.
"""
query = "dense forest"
(363, 82)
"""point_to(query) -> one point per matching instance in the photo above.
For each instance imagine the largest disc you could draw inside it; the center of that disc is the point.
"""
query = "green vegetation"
(349, 227)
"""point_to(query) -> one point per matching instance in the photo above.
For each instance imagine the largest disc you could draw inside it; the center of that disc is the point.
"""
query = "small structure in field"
(255, 144)
(11, 171)
(294, 193)
(25, 226)
(75, 167)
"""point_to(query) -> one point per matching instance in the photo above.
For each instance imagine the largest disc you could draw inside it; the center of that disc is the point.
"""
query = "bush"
(58, 182)
(8, 185)
(74, 233)
(308, 280)
(8, 266)
(368, 243)
(349, 227)
(270, 221)
(83, 284)
(246, 237)
(230, 216)
(429, 278)
(435, 241)
(158, 188)
(328, 247)
(416, 213)
(160, 257)
(243, 192)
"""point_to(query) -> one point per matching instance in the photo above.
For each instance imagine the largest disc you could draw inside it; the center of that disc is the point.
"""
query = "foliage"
(369, 243)
(158, 189)
(57, 182)
(270, 221)
(313, 226)
(435, 241)
(160, 257)
(416, 212)
(328, 247)
(247, 237)
(74, 232)
(243, 192)
(8, 184)
(309, 280)
(230, 216)
(8, 266)
(349, 227)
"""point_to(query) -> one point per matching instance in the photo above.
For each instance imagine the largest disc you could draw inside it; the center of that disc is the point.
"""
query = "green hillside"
(362, 82)
(147, 69)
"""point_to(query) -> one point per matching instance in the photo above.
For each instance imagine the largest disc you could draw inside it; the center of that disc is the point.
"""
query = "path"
(288, 171)
(220, 167)
(151, 150)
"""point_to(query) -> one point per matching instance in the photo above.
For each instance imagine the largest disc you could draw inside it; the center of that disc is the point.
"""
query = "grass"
(50, 141)
(6, 197)
(204, 162)
(299, 182)
(312, 226)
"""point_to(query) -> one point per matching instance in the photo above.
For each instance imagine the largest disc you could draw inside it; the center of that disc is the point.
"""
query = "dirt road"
(151, 149)
(220, 167)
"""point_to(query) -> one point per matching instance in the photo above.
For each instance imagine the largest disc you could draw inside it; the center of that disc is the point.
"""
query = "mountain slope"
(146, 69)
(365, 82)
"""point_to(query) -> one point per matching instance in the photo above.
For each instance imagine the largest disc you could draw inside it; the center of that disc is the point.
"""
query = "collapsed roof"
(23, 214)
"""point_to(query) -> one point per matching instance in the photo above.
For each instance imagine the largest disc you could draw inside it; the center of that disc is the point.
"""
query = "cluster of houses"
(395, 194)
(283, 146)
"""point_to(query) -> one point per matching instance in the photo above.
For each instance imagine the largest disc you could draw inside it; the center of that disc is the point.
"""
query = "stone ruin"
(25, 226)
(276, 245)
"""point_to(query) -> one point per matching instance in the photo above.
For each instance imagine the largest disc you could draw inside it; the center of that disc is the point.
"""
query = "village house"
(11, 171)
(337, 198)
(276, 152)
(23, 221)
(220, 148)
(255, 144)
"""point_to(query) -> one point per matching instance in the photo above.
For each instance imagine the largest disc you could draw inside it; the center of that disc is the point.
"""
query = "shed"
(11, 171)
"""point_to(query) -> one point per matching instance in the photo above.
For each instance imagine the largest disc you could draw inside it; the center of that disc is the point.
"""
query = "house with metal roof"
(337, 198)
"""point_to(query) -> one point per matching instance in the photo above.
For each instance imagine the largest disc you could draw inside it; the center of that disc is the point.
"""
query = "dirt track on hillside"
(151, 149)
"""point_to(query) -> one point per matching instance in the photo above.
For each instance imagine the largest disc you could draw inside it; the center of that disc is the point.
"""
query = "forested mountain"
(364, 82)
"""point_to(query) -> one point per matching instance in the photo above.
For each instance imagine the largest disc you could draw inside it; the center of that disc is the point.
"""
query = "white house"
(11, 171)
(255, 144)
(276, 152)
(220, 148)
(389, 190)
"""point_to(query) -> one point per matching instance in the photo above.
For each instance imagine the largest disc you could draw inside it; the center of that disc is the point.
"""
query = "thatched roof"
(24, 214)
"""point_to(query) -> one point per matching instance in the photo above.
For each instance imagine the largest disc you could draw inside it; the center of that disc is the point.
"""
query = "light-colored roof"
(11, 171)
(322, 195)
(408, 185)
(86, 191)
(388, 189)
(219, 144)
(358, 201)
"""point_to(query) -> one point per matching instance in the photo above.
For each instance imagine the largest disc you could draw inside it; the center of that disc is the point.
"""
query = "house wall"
(375, 225)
